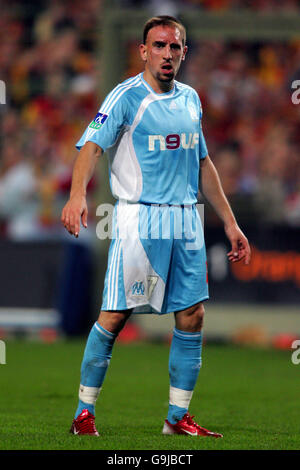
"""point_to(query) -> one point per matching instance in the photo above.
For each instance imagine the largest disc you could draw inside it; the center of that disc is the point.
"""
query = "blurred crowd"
(49, 63)
(256, 5)
(173, 7)
(251, 125)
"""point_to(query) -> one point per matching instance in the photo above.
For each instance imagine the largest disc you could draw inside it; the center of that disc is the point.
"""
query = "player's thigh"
(187, 280)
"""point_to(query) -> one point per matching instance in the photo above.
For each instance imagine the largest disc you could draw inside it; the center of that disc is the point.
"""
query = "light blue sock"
(96, 358)
(184, 366)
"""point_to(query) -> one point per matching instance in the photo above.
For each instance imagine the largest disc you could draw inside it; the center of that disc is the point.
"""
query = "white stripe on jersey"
(147, 86)
(111, 100)
(114, 96)
(89, 134)
(113, 92)
(137, 83)
(125, 156)
(111, 95)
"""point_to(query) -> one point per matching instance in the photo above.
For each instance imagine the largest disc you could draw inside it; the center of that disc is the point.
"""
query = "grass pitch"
(251, 396)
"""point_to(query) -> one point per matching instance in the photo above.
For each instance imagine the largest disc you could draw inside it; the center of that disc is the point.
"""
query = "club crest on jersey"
(138, 288)
(98, 121)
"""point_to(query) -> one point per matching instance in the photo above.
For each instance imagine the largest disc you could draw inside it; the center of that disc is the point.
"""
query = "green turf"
(251, 396)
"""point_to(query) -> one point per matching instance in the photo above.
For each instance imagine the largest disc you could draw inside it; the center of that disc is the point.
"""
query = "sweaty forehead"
(164, 33)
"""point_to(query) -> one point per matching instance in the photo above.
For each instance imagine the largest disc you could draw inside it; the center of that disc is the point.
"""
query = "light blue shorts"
(156, 260)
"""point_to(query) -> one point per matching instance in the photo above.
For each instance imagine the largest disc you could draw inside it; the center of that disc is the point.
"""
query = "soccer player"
(150, 126)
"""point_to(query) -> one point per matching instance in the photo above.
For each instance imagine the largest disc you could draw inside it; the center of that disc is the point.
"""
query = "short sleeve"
(203, 152)
(106, 126)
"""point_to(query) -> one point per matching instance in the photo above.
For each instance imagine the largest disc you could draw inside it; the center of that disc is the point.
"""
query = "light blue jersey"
(154, 142)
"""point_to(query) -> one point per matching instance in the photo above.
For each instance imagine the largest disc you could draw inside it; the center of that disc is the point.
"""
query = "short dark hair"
(163, 20)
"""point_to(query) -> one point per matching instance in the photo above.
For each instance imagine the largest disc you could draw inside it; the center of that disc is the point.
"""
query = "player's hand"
(74, 210)
(240, 249)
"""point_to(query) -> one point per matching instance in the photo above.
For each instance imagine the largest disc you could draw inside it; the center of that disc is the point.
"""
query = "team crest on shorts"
(98, 121)
(138, 288)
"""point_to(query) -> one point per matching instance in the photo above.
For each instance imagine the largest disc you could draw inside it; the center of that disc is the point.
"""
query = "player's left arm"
(211, 188)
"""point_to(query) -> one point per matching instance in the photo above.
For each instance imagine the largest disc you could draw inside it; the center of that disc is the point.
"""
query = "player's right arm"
(76, 208)
(100, 135)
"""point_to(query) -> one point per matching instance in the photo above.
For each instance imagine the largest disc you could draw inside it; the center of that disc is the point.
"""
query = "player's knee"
(113, 321)
(191, 319)
(197, 317)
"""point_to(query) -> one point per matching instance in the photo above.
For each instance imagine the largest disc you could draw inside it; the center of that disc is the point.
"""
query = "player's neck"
(157, 85)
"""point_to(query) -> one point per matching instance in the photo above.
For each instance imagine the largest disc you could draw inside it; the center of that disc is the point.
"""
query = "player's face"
(163, 53)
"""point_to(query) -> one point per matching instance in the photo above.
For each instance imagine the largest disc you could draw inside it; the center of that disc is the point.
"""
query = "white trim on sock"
(88, 395)
(180, 397)
(186, 334)
(103, 331)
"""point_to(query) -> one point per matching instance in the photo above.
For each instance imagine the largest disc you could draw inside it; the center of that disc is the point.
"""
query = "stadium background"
(58, 60)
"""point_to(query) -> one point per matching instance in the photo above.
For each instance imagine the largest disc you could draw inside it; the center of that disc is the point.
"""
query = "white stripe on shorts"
(112, 294)
(116, 284)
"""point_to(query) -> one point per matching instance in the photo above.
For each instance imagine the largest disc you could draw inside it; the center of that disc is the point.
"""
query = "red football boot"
(84, 424)
(188, 426)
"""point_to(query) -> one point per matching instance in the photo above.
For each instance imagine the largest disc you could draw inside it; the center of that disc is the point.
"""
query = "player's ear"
(143, 52)
(185, 49)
